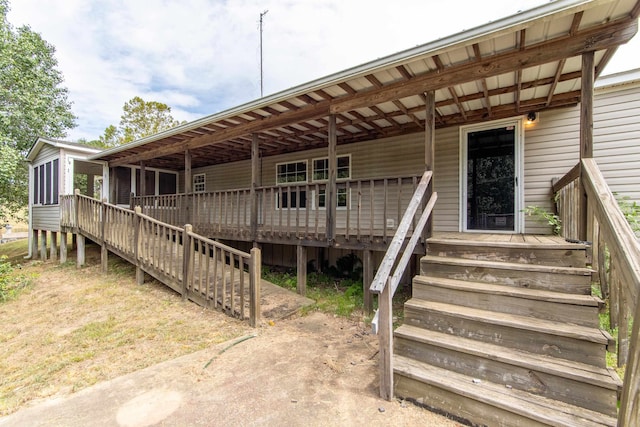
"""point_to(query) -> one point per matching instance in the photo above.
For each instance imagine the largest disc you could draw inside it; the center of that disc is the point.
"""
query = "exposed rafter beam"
(600, 37)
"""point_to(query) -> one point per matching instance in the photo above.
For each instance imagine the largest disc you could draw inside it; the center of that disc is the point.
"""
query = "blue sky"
(202, 56)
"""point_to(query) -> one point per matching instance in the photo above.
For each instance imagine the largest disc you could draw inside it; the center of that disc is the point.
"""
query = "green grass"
(336, 296)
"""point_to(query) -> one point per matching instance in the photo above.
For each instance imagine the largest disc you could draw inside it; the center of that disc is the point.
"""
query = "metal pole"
(261, 75)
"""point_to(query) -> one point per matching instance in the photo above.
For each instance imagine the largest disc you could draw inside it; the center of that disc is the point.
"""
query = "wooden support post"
(104, 252)
(586, 132)
(255, 278)
(63, 247)
(429, 149)
(142, 191)
(367, 278)
(188, 186)
(186, 259)
(136, 245)
(43, 245)
(53, 248)
(34, 243)
(255, 172)
(302, 269)
(385, 337)
(331, 190)
(80, 255)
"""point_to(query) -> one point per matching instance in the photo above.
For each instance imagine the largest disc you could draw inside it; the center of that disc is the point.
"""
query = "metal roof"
(530, 61)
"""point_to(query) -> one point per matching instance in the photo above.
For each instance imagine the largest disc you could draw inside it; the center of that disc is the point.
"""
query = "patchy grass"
(73, 328)
(340, 297)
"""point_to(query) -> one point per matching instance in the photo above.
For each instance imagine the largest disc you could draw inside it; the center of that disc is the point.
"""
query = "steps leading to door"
(498, 339)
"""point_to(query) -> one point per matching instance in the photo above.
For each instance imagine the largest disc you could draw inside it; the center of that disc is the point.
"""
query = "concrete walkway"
(316, 370)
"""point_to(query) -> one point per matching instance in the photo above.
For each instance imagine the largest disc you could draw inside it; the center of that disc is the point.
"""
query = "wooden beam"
(188, 179)
(308, 113)
(142, 191)
(586, 106)
(367, 278)
(331, 191)
(301, 269)
(63, 247)
(429, 149)
(255, 182)
(600, 37)
(586, 133)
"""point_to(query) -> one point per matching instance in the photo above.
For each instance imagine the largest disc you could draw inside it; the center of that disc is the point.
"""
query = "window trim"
(306, 172)
(195, 184)
(316, 197)
(46, 189)
(313, 169)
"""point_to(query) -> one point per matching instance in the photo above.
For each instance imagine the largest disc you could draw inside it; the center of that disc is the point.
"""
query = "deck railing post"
(186, 259)
(136, 245)
(104, 253)
(255, 274)
(385, 334)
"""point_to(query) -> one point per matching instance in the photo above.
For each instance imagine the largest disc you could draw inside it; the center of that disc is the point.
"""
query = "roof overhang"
(41, 141)
(530, 61)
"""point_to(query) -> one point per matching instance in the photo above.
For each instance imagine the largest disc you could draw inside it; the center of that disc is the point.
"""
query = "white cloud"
(202, 56)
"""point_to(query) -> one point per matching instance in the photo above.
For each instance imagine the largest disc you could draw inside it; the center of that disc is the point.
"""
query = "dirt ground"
(80, 348)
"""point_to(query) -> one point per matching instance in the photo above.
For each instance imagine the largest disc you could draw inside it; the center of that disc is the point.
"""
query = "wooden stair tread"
(515, 245)
(466, 262)
(518, 292)
(559, 367)
(510, 320)
(525, 404)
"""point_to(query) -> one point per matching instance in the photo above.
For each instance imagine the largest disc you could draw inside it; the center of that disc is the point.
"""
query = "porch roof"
(524, 63)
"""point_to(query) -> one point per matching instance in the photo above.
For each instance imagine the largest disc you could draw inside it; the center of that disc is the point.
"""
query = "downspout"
(30, 213)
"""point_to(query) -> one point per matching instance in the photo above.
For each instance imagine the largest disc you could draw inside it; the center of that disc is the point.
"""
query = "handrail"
(181, 259)
(385, 284)
(610, 233)
(380, 279)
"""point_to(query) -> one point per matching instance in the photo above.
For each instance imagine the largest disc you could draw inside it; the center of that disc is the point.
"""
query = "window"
(291, 172)
(321, 168)
(290, 200)
(342, 198)
(46, 183)
(199, 183)
(343, 172)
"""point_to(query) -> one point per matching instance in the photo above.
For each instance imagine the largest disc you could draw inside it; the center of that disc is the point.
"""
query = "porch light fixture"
(531, 117)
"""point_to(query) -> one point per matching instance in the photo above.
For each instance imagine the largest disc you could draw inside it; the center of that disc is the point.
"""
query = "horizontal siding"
(446, 180)
(617, 140)
(46, 154)
(46, 218)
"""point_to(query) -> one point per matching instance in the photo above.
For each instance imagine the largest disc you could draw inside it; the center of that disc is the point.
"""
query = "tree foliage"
(33, 103)
(139, 119)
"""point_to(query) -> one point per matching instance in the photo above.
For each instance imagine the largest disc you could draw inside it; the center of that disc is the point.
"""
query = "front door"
(490, 177)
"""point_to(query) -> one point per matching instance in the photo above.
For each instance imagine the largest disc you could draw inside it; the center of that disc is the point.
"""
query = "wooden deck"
(498, 238)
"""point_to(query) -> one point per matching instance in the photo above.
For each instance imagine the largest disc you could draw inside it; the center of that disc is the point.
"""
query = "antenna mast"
(261, 75)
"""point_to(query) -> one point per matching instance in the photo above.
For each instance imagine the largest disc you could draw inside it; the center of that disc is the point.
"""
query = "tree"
(33, 103)
(139, 119)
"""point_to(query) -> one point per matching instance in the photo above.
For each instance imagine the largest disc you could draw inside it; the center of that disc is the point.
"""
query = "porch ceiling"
(524, 63)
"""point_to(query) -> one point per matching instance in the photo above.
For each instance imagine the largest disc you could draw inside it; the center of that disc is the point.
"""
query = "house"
(502, 328)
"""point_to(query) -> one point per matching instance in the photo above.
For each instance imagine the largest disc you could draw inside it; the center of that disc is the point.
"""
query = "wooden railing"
(616, 257)
(204, 271)
(385, 283)
(67, 211)
(367, 210)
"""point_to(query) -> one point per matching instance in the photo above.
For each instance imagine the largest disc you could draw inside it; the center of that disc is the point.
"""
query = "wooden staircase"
(505, 333)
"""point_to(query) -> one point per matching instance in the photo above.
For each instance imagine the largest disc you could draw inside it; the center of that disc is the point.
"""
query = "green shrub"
(10, 283)
(543, 215)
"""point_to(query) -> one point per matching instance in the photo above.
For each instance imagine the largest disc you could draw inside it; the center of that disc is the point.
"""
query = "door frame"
(518, 215)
